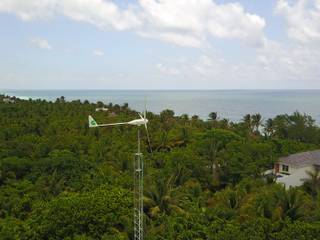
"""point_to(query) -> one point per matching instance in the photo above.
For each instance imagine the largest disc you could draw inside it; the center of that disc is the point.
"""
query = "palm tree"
(160, 198)
(247, 120)
(185, 117)
(269, 127)
(291, 203)
(264, 205)
(195, 118)
(228, 201)
(166, 118)
(312, 184)
(224, 123)
(210, 148)
(213, 116)
(51, 184)
(184, 130)
(256, 121)
(184, 136)
(213, 119)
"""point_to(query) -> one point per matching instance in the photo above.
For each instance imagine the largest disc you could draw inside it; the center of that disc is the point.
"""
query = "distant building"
(8, 100)
(292, 170)
(103, 109)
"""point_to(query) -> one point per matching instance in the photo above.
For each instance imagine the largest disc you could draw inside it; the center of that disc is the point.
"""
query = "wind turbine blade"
(140, 116)
(112, 124)
(148, 137)
(145, 108)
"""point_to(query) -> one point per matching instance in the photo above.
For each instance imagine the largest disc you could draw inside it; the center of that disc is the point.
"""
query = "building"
(292, 170)
(8, 100)
(102, 109)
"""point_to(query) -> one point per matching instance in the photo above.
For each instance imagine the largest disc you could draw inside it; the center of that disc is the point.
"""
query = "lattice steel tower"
(138, 170)
(138, 193)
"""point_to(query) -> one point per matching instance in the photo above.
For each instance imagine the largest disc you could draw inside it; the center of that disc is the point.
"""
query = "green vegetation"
(61, 180)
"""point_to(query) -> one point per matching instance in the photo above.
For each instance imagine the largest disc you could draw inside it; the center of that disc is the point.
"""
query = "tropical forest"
(203, 178)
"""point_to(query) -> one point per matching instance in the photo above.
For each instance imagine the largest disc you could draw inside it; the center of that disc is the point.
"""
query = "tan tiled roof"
(302, 159)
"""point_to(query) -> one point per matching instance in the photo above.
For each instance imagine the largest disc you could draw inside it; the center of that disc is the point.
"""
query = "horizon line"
(151, 89)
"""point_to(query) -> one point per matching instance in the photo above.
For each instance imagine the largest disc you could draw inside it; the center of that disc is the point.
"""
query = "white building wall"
(296, 178)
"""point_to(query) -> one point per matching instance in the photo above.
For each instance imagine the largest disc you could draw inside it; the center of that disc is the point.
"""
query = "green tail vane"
(92, 122)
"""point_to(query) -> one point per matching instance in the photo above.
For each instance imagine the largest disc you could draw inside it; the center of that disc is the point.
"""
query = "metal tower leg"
(138, 193)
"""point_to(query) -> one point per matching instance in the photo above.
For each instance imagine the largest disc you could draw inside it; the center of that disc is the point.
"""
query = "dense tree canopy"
(61, 180)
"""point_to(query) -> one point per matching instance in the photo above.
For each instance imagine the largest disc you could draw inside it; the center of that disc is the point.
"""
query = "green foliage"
(299, 230)
(296, 127)
(61, 180)
(14, 167)
(103, 211)
(246, 159)
(64, 165)
(12, 229)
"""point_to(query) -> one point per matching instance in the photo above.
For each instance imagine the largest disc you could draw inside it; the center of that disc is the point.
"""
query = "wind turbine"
(138, 170)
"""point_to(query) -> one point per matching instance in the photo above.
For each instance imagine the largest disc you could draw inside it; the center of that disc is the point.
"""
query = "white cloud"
(297, 59)
(291, 61)
(103, 14)
(192, 22)
(30, 9)
(41, 43)
(167, 70)
(98, 52)
(209, 66)
(274, 66)
(303, 19)
(179, 39)
(183, 22)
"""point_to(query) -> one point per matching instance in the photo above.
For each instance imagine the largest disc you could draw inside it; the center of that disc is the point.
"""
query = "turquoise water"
(231, 104)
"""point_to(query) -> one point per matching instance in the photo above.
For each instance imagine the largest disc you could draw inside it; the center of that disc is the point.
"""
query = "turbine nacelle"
(138, 122)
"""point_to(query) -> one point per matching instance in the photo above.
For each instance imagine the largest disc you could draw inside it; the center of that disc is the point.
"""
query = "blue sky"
(159, 44)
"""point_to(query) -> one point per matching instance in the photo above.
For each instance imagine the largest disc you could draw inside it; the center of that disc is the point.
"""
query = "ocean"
(231, 104)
